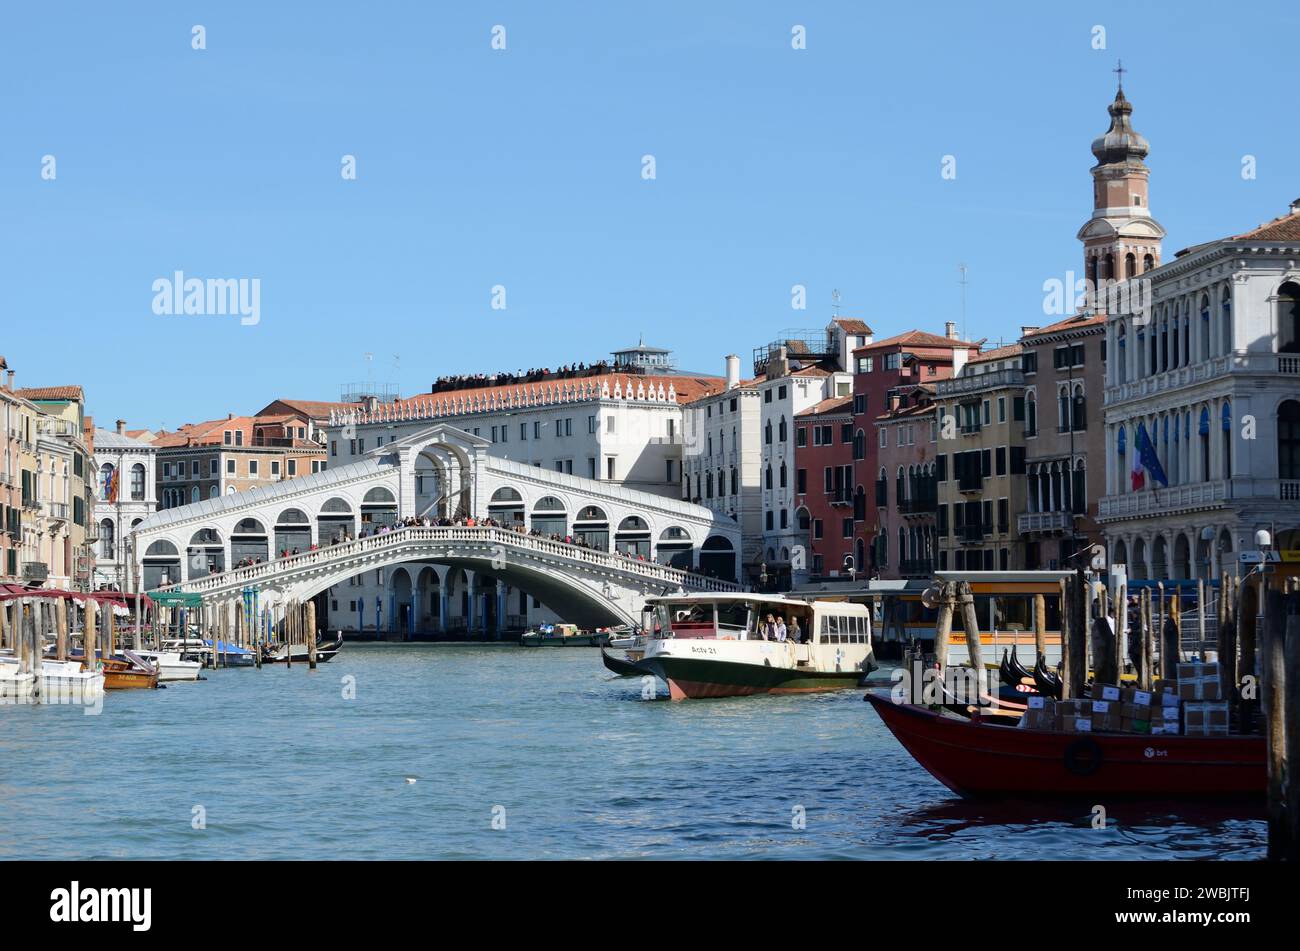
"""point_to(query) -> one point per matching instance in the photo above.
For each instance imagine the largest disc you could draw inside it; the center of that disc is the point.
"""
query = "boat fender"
(1083, 756)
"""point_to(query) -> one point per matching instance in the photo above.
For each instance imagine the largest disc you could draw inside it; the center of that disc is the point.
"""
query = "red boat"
(977, 760)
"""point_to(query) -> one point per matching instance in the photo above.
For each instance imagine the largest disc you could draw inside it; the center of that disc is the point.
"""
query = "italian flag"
(1138, 475)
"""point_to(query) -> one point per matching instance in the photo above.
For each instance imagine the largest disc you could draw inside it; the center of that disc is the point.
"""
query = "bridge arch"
(161, 564)
(336, 520)
(292, 530)
(205, 554)
(550, 516)
(718, 557)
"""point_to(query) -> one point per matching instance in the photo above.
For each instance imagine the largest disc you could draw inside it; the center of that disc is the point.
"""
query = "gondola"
(1049, 685)
(624, 668)
(279, 653)
(1005, 673)
(1018, 669)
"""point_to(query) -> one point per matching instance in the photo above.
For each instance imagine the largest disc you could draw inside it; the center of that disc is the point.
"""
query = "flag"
(1147, 458)
(1137, 476)
(113, 485)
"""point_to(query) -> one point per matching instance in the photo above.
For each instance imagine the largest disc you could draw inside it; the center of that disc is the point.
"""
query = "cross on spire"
(1119, 70)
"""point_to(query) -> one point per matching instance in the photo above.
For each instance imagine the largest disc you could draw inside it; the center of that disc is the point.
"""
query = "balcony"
(970, 484)
(31, 504)
(972, 534)
(1261, 364)
(926, 506)
(919, 567)
(1157, 502)
(6, 478)
(58, 510)
(840, 496)
(1028, 523)
(970, 383)
(36, 571)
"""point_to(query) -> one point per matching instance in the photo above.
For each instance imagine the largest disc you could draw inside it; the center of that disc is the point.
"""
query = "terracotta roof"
(852, 325)
(315, 409)
(836, 404)
(1069, 323)
(1286, 228)
(51, 393)
(918, 338)
(1000, 353)
(201, 434)
(687, 388)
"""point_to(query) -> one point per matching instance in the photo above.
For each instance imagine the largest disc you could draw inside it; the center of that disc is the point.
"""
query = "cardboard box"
(1039, 720)
(1165, 686)
(1039, 703)
(1141, 698)
(1169, 700)
(1167, 728)
(1211, 689)
(1066, 709)
(1077, 725)
(1188, 670)
(1166, 715)
(1105, 692)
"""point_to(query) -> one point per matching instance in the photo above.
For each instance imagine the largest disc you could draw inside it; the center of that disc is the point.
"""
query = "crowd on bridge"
(467, 381)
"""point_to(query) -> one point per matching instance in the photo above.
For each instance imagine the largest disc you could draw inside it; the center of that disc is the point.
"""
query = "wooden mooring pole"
(970, 623)
(311, 635)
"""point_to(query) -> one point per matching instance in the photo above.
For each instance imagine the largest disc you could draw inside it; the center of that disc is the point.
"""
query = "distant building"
(906, 489)
(823, 488)
(981, 463)
(125, 493)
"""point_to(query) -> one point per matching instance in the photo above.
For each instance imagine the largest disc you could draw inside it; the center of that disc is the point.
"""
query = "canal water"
(516, 753)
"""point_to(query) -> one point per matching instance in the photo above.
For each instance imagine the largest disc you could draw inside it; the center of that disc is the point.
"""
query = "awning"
(172, 599)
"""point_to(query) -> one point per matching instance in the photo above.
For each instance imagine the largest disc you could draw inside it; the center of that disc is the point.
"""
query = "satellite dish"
(930, 597)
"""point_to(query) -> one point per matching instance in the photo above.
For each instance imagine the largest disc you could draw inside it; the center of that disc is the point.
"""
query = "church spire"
(1121, 240)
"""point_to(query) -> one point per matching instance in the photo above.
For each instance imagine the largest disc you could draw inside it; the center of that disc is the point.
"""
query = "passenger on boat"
(796, 632)
(781, 631)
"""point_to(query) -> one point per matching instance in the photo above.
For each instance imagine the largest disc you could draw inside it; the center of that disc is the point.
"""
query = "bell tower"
(1121, 240)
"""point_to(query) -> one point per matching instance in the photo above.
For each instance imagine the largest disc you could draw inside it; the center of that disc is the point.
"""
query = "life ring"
(1083, 757)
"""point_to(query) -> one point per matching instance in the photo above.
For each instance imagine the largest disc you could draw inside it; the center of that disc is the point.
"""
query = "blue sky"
(522, 168)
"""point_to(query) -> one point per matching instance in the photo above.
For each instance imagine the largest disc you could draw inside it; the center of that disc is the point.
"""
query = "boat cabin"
(745, 617)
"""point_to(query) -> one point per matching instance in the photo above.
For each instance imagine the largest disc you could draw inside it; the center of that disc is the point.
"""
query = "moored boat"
(713, 645)
(172, 668)
(297, 653)
(623, 666)
(562, 635)
(978, 759)
(68, 680)
(16, 684)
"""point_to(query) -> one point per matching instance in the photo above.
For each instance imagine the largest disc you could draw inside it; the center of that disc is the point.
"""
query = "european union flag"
(1147, 453)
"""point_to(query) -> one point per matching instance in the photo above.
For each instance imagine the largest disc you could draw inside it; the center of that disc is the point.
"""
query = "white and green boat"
(722, 645)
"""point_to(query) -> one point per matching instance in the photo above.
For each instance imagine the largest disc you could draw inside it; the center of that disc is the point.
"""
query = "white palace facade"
(1211, 370)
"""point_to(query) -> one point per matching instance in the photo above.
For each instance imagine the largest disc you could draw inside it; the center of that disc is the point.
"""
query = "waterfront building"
(722, 459)
(794, 373)
(906, 486)
(981, 463)
(881, 368)
(17, 498)
(125, 487)
(57, 488)
(1202, 410)
(218, 457)
(823, 489)
(1064, 367)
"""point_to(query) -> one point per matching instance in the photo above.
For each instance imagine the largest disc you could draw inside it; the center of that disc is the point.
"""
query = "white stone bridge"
(306, 535)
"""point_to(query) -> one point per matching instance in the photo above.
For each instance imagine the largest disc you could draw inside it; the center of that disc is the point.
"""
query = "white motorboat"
(722, 645)
(172, 667)
(16, 684)
(66, 680)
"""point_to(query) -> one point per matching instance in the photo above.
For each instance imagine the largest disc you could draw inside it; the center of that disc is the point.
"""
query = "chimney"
(1295, 207)
(9, 381)
(959, 357)
(121, 427)
(1025, 330)
(782, 362)
(230, 416)
(733, 371)
(893, 402)
(950, 330)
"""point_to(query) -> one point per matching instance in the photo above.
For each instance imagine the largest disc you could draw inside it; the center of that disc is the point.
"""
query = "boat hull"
(697, 678)
(981, 760)
(577, 640)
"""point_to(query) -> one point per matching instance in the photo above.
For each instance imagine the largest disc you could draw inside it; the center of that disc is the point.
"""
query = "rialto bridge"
(590, 551)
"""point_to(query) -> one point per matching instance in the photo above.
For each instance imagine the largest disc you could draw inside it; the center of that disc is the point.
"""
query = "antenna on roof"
(963, 282)
(835, 302)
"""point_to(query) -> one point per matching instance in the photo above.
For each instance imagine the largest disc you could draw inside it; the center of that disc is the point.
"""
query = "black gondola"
(1005, 673)
(1021, 672)
(624, 668)
(1049, 685)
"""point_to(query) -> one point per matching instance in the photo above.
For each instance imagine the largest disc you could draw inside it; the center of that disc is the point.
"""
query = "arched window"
(106, 481)
(213, 491)
(708, 485)
(781, 430)
(1031, 414)
(194, 493)
(767, 432)
(1148, 262)
(1121, 336)
(106, 539)
(1205, 326)
(1225, 319)
(1288, 440)
(1288, 318)
(1130, 265)
(1226, 416)
(137, 483)
(1079, 416)
(767, 477)
(1203, 431)
(783, 476)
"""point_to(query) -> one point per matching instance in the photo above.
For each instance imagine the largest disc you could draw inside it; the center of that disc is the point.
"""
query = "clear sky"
(523, 168)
